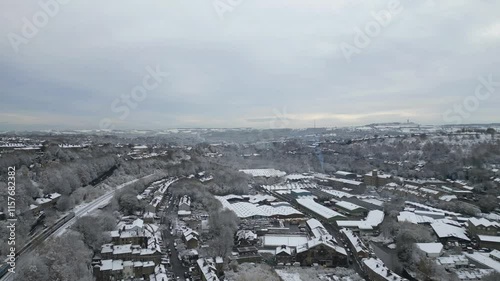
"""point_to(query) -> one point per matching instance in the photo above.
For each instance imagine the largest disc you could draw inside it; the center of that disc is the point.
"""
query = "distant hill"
(393, 124)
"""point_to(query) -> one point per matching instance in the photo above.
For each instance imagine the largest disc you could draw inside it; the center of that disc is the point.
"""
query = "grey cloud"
(264, 56)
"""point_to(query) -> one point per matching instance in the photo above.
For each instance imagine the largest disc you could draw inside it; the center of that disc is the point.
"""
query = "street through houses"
(168, 226)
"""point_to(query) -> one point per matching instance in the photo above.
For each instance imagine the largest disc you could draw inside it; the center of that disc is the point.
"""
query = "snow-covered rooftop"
(254, 199)
(245, 209)
(473, 274)
(484, 259)
(348, 206)
(298, 177)
(208, 269)
(430, 214)
(488, 238)
(432, 209)
(443, 230)
(374, 219)
(453, 260)
(379, 268)
(343, 173)
(338, 193)
(317, 228)
(326, 240)
(287, 240)
(430, 248)
(319, 209)
(413, 218)
(264, 172)
(374, 201)
(350, 182)
(354, 240)
(448, 198)
(483, 222)
(291, 186)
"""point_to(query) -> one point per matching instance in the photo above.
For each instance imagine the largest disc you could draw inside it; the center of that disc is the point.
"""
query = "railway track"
(63, 224)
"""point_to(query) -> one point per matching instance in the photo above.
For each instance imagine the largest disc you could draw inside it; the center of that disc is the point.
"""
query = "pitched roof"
(326, 240)
(430, 248)
(319, 209)
(448, 231)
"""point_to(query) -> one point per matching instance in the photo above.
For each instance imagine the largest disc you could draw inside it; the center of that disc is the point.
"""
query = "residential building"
(184, 206)
(431, 250)
(190, 237)
(449, 233)
(130, 252)
(487, 241)
(284, 255)
(110, 269)
(134, 241)
(323, 251)
(483, 226)
(245, 238)
(377, 271)
(135, 237)
(355, 244)
(210, 269)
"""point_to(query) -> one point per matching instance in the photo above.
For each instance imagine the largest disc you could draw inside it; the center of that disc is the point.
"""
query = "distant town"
(394, 201)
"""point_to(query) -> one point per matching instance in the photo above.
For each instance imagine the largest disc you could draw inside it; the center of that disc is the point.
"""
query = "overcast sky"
(249, 63)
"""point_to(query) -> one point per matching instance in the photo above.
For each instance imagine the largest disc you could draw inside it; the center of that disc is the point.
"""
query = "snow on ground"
(86, 204)
(87, 208)
(317, 274)
(288, 276)
(378, 239)
(264, 172)
(251, 271)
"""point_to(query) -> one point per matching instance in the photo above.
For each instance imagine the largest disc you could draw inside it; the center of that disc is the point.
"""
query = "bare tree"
(93, 232)
(64, 258)
(495, 276)
(33, 269)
